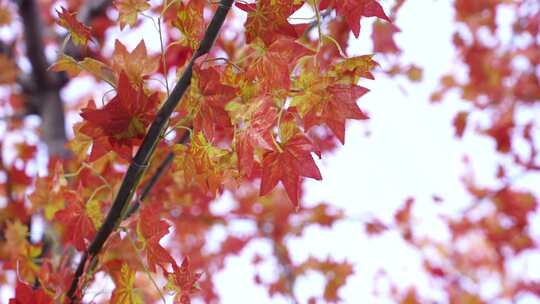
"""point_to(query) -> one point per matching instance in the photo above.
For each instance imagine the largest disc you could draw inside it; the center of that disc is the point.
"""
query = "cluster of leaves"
(260, 105)
(270, 97)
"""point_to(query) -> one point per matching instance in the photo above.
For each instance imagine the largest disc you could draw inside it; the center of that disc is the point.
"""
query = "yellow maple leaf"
(124, 292)
(98, 69)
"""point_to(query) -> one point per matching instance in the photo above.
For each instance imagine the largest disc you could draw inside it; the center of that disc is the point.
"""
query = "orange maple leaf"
(124, 281)
(203, 163)
(136, 64)
(79, 32)
(190, 21)
(128, 11)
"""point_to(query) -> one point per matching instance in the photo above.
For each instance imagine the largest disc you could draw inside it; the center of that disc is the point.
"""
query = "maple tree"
(241, 97)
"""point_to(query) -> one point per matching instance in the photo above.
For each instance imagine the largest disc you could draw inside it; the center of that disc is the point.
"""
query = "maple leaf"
(267, 19)
(151, 229)
(80, 143)
(129, 10)
(340, 106)
(354, 10)
(15, 236)
(124, 281)
(287, 165)
(121, 123)
(274, 64)
(183, 281)
(79, 32)
(207, 99)
(73, 67)
(48, 193)
(190, 21)
(352, 69)
(383, 38)
(203, 163)
(27, 260)
(136, 64)
(25, 294)
(78, 227)
(257, 133)
(323, 101)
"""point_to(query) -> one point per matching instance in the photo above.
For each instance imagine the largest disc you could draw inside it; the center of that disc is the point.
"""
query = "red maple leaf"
(267, 19)
(78, 227)
(288, 165)
(25, 294)
(354, 10)
(207, 100)
(152, 229)
(383, 38)
(121, 123)
(257, 134)
(274, 66)
(337, 108)
(184, 282)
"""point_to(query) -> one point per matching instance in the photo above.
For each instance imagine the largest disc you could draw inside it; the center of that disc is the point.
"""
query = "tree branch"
(33, 26)
(46, 99)
(140, 162)
(162, 168)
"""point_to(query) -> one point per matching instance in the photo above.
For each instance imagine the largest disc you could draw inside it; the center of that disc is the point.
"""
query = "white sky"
(411, 152)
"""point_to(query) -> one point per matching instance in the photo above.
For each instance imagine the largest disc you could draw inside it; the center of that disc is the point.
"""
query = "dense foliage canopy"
(242, 97)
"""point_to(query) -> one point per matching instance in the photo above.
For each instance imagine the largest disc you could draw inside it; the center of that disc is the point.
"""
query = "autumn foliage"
(242, 98)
